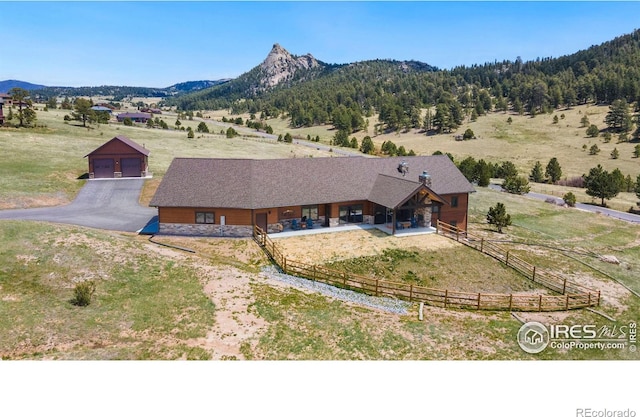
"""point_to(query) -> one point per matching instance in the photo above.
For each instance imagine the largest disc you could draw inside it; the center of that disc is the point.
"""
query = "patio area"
(386, 228)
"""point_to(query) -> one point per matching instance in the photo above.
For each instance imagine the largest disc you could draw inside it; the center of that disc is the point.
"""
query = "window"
(310, 212)
(205, 217)
(454, 201)
(351, 214)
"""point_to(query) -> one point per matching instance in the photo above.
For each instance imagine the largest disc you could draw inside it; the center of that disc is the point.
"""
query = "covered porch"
(403, 206)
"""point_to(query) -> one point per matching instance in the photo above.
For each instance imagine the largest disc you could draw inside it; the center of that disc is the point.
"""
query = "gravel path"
(380, 303)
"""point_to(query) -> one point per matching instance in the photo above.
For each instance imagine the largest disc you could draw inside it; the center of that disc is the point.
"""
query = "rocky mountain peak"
(280, 65)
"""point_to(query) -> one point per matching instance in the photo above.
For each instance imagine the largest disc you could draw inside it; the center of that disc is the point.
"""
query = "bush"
(570, 199)
(82, 293)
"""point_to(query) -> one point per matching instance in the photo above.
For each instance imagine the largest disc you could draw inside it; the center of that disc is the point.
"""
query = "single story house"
(101, 108)
(134, 117)
(1, 114)
(227, 197)
(117, 158)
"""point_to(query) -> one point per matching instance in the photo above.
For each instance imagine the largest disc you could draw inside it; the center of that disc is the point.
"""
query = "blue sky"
(157, 44)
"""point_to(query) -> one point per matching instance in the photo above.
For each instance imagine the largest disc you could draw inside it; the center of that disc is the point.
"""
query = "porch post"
(393, 224)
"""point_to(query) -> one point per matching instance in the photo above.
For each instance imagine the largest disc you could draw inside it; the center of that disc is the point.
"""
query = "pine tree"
(498, 217)
(553, 170)
(537, 175)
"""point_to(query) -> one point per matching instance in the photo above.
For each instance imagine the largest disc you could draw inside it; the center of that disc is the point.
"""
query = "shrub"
(82, 293)
(570, 199)
(577, 182)
(593, 131)
(516, 185)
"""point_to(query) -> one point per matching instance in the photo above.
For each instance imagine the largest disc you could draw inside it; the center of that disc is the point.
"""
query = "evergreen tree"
(506, 169)
(537, 175)
(601, 184)
(516, 185)
(593, 131)
(618, 118)
(498, 217)
(615, 154)
(553, 170)
(26, 115)
(202, 128)
(367, 145)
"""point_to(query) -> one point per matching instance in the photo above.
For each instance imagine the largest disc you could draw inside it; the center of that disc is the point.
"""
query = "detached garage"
(120, 157)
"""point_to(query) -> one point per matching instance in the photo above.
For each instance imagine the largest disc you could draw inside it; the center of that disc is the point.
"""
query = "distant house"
(101, 108)
(150, 110)
(8, 100)
(1, 114)
(134, 117)
(119, 157)
(229, 196)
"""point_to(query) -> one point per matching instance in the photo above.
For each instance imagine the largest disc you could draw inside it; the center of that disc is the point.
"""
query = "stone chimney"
(425, 178)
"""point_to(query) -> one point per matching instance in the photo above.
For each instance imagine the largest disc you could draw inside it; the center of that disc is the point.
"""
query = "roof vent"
(403, 168)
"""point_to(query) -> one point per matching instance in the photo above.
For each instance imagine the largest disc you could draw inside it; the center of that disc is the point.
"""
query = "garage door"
(130, 167)
(103, 168)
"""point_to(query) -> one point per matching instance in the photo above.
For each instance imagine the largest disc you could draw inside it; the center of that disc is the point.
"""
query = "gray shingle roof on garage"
(263, 183)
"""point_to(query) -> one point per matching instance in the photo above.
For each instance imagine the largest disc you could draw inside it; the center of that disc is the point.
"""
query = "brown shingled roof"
(127, 142)
(263, 183)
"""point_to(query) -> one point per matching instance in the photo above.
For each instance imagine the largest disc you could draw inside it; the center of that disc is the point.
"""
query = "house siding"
(187, 215)
(457, 214)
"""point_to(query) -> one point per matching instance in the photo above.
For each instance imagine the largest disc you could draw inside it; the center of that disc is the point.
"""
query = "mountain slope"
(7, 85)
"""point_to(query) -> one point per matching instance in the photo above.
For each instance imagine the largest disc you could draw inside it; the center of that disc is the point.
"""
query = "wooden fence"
(572, 297)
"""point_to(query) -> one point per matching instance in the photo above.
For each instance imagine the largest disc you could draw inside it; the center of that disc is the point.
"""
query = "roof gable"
(124, 140)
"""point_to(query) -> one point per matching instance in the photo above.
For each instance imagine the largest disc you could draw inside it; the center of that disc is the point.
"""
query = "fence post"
(510, 301)
(507, 260)
(376, 287)
(438, 226)
(344, 279)
(479, 301)
(457, 235)
(533, 278)
(589, 299)
(566, 306)
(598, 297)
(410, 292)
(540, 304)
(564, 286)
(446, 296)
(482, 245)
(284, 264)
(314, 273)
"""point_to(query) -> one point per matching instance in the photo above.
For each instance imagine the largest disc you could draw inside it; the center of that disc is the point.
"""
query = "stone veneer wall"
(215, 230)
(205, 230)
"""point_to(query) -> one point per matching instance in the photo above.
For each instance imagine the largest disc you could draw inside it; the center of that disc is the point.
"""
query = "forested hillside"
(399, 91)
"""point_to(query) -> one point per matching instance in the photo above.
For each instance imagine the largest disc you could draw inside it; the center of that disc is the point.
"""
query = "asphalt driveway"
(110, 204)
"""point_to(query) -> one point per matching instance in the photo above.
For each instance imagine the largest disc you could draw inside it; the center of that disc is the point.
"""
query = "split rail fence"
(573, 296)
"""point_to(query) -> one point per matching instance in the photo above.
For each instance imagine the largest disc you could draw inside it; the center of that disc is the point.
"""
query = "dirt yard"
(323, 248)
